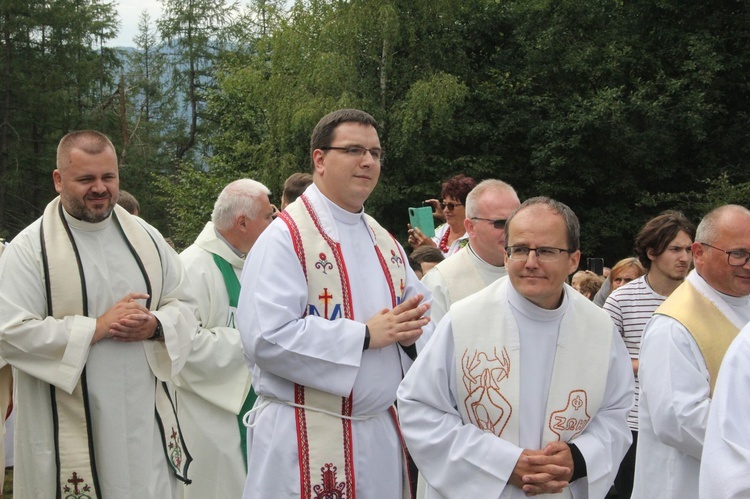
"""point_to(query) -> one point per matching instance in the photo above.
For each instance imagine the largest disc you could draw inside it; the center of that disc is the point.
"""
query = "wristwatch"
(158, 332)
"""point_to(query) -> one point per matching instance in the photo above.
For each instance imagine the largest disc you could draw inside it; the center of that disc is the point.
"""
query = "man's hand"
(402, 324)
(544, 472)
(437, 212)
(127, 309)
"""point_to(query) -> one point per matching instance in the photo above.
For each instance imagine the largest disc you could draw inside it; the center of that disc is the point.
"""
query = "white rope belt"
(264, 401)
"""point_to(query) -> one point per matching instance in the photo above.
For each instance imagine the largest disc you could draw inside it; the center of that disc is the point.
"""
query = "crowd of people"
(303, 352)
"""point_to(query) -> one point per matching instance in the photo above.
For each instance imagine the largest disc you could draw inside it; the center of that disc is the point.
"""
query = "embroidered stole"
(233, 290)
(489, 388)
(708, 326)
(326, 458)
(63, 274)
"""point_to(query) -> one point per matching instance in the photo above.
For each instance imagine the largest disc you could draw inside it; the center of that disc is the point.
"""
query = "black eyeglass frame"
(376, 153)
(729, 255)
(509, 251)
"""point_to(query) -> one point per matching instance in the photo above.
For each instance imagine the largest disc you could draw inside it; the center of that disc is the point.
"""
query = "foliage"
(55, 75)
(619, 109)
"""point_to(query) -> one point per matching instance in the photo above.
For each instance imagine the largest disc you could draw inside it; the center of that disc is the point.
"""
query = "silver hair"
(472, 199)
(238, 198)
(572, 225)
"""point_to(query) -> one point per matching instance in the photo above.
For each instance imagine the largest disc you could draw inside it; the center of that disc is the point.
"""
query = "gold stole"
(708, 326)
(488, 366)
(324, 441)
(63, 275)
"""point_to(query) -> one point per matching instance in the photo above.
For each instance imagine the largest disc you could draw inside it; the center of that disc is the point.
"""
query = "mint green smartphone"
(421, 218)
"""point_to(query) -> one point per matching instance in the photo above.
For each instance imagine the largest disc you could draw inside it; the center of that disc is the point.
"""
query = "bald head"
(721, 247)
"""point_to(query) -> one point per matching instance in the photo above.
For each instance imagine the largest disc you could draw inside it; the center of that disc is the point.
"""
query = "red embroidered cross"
(326, 297)
(75, 481)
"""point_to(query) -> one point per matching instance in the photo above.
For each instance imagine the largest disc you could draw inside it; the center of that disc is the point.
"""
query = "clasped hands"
(127, 320)
(403, 323)
(545, 471)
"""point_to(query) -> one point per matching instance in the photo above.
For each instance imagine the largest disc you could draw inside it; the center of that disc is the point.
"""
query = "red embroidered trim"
(296, 240)
(404, 452)
(303, 446)
(387, 273)
(346, 409)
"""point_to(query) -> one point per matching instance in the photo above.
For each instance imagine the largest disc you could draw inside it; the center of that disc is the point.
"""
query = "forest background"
(619, 109)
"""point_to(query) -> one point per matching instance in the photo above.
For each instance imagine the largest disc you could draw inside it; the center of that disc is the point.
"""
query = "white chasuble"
(325, 439)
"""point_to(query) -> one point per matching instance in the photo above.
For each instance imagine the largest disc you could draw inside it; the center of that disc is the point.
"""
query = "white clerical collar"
(223, 239)
(534, 312)
(341, 215)
(483, 264)
(86, 226)
(732, 301)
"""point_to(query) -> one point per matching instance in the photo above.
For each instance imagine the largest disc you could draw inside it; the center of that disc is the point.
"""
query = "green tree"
(55, 76)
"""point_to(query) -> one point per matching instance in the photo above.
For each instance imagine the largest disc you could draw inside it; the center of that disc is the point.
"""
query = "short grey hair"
(709, 227)
(572, 225)
(482, 187)
(238, 198)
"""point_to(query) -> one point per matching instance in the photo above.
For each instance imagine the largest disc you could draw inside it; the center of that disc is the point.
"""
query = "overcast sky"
(130, 12)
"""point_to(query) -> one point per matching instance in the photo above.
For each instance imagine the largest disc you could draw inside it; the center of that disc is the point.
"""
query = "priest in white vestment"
(482, 261)
(525, 386)
(726, 450)
(213, 386)
(88, 377)
(681, 351)
(329, 315)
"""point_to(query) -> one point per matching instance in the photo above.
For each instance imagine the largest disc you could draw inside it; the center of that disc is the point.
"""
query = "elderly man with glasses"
(682, 348)
(482, 261)
(525, 386)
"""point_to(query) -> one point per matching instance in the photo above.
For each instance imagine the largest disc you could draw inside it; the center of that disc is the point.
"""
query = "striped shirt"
(631, 307)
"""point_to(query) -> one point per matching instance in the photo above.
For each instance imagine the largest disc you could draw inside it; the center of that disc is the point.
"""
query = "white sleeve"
(607, 437)
(215, 369)
(276, 333)
(674, 383)
(726, 451)
(433, 281)
(52, 350)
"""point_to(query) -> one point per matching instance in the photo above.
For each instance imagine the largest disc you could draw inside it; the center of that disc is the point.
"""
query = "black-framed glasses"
(736, 258)
(450, 206)
(499, 224)
(543, 254)
(357, 151)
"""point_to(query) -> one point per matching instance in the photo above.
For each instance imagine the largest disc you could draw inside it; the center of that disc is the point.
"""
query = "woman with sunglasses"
(451, 236)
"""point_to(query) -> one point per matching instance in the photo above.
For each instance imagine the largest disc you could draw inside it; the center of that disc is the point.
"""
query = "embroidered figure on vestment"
(481, 377)
(574, 417)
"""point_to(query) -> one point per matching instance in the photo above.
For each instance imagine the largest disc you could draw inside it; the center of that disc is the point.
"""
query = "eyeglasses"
(543, 254)
(736, 258)
(450, 206)
(499, 224)
(357, 151)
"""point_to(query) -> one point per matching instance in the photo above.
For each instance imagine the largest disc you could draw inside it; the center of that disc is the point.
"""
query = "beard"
(77, 207)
